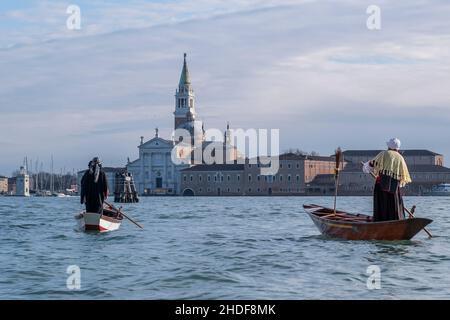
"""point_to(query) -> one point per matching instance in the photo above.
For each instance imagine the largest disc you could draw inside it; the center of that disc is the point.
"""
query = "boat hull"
(363, 228)
(96, 222)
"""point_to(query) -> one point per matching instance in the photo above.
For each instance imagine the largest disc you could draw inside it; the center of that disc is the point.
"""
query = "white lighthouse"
(23, 183)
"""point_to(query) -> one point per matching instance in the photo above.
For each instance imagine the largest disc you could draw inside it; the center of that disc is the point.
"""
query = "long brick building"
(295, 172)
(426, 168)
(308, 175)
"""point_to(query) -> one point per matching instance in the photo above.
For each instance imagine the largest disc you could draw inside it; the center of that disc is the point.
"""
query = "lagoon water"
(215, 248)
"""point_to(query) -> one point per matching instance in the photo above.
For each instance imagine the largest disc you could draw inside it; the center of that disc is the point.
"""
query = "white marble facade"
(154, 172)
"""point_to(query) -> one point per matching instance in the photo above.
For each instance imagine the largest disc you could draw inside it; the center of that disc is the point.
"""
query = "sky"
(309, 68)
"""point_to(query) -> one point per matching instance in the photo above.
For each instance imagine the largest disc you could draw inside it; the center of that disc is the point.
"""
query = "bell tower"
(184, 98)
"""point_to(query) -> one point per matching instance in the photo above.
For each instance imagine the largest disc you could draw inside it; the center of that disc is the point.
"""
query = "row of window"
(289, 166)
(430, 176)
(238, 178)
(238, 190)
(281, 165)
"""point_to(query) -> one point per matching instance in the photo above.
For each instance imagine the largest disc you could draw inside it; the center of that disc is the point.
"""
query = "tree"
(300, 152)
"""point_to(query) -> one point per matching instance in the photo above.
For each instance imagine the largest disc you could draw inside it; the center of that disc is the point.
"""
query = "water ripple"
(214, 248)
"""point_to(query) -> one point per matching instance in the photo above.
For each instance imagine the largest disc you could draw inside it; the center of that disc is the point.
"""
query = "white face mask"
(96, 172)
(94, 168)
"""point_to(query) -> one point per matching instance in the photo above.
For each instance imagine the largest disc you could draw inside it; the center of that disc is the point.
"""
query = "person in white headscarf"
(94, 187)
(391, 172)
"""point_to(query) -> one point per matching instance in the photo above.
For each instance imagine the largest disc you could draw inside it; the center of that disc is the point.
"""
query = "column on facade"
(142, 172)
(150, 169)
(165, 170)
(174, 177)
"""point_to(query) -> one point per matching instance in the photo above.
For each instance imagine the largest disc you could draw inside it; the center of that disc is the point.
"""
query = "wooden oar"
(118, 210)
(338, 158)
(411, 215)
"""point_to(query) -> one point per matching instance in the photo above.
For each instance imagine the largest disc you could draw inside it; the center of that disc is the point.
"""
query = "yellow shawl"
(392, 164)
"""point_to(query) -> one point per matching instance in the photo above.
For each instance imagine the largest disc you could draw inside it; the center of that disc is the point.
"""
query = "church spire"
(184, 78)
(184, 98)
(227, 134)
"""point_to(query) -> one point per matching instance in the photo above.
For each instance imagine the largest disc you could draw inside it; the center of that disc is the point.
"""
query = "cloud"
(44, 20)
(310, 68)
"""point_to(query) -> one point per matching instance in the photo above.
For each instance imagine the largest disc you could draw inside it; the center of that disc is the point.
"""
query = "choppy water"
(215, 248)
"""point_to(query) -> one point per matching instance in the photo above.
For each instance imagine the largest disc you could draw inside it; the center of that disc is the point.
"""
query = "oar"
(338, 158)
(411, 215)
(111, 206)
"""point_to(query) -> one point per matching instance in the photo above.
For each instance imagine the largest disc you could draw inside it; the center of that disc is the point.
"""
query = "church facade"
(155, 172)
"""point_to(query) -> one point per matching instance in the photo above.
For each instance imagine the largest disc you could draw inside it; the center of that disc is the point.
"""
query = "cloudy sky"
(310, 68)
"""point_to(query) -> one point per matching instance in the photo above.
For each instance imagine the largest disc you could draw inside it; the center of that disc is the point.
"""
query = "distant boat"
(59, 195)
(442, 189)
(43, 194)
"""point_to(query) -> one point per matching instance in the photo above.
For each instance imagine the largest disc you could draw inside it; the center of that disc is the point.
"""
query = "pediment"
(157, 143)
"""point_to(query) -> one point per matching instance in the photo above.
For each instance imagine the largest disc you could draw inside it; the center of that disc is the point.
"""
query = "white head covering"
(394, 143)
(94, 168)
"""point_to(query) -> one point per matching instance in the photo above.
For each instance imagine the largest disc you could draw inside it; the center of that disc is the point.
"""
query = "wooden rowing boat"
(361, 227)
(110, 220)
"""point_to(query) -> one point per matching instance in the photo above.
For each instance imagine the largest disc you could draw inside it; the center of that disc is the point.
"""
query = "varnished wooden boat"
(361, 227)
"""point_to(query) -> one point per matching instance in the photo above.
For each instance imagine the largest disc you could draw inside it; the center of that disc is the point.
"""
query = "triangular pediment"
(156, 142)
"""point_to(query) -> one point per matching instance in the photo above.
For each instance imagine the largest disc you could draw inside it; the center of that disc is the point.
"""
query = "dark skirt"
(94, 204)
(387, 205)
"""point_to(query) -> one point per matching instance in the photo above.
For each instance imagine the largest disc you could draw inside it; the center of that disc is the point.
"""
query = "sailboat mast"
(36, 174)
(42, 176)
(52, 182)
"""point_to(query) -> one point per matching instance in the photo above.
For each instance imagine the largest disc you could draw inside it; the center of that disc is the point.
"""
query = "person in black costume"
(94, 187)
